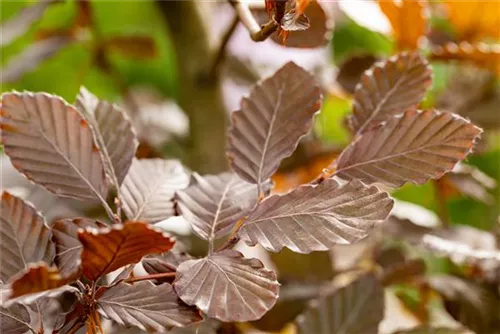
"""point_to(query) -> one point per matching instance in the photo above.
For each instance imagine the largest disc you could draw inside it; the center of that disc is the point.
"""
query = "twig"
(149, 277)
(233, 238)
(221, 52)
(257, 33)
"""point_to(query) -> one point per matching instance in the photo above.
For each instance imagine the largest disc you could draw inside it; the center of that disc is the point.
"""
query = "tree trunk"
(199, 98)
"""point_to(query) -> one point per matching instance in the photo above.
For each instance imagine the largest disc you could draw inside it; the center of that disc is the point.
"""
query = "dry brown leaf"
(408, 19)
(107, 249)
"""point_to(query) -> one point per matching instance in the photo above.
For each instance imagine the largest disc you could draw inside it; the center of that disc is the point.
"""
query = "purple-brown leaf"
(113, 133)
(51, 144)
(214, 203)
(356, 308)
(14, 319)
(267, 128)
(68, 247)
(389, 88)
(153, 308)
(227, 287)
(25, 238)
(316, 218)
(414, 147)
(149, 188)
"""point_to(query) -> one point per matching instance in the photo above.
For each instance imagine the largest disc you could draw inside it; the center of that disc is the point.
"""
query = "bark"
(200, 98)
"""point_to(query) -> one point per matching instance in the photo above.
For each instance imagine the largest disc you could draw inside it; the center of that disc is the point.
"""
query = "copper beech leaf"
(25, 238)
(316, 218)
(472, 182)
(227, 287)
(149, 188)
(49, 142)
(14, 319)
(356, 308)
(19, 24)
(113, 133)
(408, 20)
(414, 147)
(164, 263)
(153, 308)
(389, 88)
(38, 278)
(107, 249)
(68, 247)
(214, 203)
(267, 128)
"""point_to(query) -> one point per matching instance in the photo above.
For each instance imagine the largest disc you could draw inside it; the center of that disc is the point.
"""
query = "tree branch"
(257, 33)
(221, 53)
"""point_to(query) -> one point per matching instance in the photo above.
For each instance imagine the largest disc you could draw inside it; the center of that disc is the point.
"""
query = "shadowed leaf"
(107, 249)
(414, 147)
(468, 302)
(14, 319)
(408, 20)
(356, 308)
(227, 286)
(19, 24)
(113, 133)
(29, 59)
(351, 70)
(316, 218)
(471, 182)
(24, 237)
(68, 247)
(164, 263)
(267, 128)
(389, 88)
(214, 203)
(146, 306)
(51, 144)
(149, 187)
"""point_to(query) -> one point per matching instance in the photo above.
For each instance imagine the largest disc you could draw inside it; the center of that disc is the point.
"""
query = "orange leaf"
(38, 278)
(300, 6)
(481, 54)
(107, 249)
(408, 19)
(474, 20)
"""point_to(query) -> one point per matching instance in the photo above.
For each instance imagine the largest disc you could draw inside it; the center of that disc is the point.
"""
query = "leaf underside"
(214, 203)
(414, 147)
(24, 237)
(227, 286)
(316, 218)
(113, 132)
(50, 143)
(154, 308)
(14, 319)
(356, 308)
(389, 88)
(148, 189)
(267, 128)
